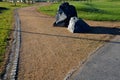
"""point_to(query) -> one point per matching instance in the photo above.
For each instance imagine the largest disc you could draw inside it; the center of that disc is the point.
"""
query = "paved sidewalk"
(103, 65)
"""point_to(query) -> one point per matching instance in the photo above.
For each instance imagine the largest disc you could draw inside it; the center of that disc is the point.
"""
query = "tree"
(24, 1)
(14, 1)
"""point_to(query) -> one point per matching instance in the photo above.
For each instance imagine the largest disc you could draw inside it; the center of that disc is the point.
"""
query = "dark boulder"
(65, 12)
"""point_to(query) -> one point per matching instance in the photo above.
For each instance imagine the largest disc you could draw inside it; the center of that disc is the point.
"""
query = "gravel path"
(49, 53)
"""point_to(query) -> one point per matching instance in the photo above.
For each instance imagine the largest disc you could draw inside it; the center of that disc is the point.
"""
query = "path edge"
(11, 68)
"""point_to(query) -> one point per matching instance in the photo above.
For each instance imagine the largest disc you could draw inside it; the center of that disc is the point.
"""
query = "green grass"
(50, 10)
(108, 10)
(6, 20)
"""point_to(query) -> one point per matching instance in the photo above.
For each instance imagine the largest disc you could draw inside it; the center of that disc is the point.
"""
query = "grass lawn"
(6, 23)
(98, 10)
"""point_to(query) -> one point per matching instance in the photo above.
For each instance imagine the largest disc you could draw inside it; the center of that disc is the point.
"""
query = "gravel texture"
(50, 53)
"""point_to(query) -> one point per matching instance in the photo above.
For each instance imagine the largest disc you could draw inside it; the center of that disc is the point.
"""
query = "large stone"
(78, 25)
(65, 12)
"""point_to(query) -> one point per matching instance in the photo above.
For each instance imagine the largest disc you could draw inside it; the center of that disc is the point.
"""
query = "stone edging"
(12, 64)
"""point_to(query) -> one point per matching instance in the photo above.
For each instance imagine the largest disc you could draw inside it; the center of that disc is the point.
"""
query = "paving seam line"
(93, 53)
(12, 64)
(80, 65)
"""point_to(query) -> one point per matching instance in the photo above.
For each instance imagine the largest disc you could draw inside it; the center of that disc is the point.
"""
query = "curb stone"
(12, 64)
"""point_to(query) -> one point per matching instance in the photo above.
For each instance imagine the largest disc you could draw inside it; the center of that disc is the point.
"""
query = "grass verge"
(95, 10)
(6, 21)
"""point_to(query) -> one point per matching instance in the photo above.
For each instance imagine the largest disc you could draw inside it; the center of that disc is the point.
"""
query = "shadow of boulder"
(104, 30)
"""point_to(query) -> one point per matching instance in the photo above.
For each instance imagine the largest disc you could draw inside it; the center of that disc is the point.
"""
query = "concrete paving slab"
(103, 65)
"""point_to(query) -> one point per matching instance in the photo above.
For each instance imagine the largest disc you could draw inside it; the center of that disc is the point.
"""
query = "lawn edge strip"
(12, 64)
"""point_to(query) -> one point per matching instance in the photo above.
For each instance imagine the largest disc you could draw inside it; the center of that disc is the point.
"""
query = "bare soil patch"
(49, 53)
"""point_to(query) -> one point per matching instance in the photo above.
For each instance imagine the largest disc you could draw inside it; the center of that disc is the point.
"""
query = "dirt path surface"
(49, 53)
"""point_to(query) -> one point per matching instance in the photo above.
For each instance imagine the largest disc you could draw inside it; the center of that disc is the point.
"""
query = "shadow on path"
(104, 30)
(94, 30)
